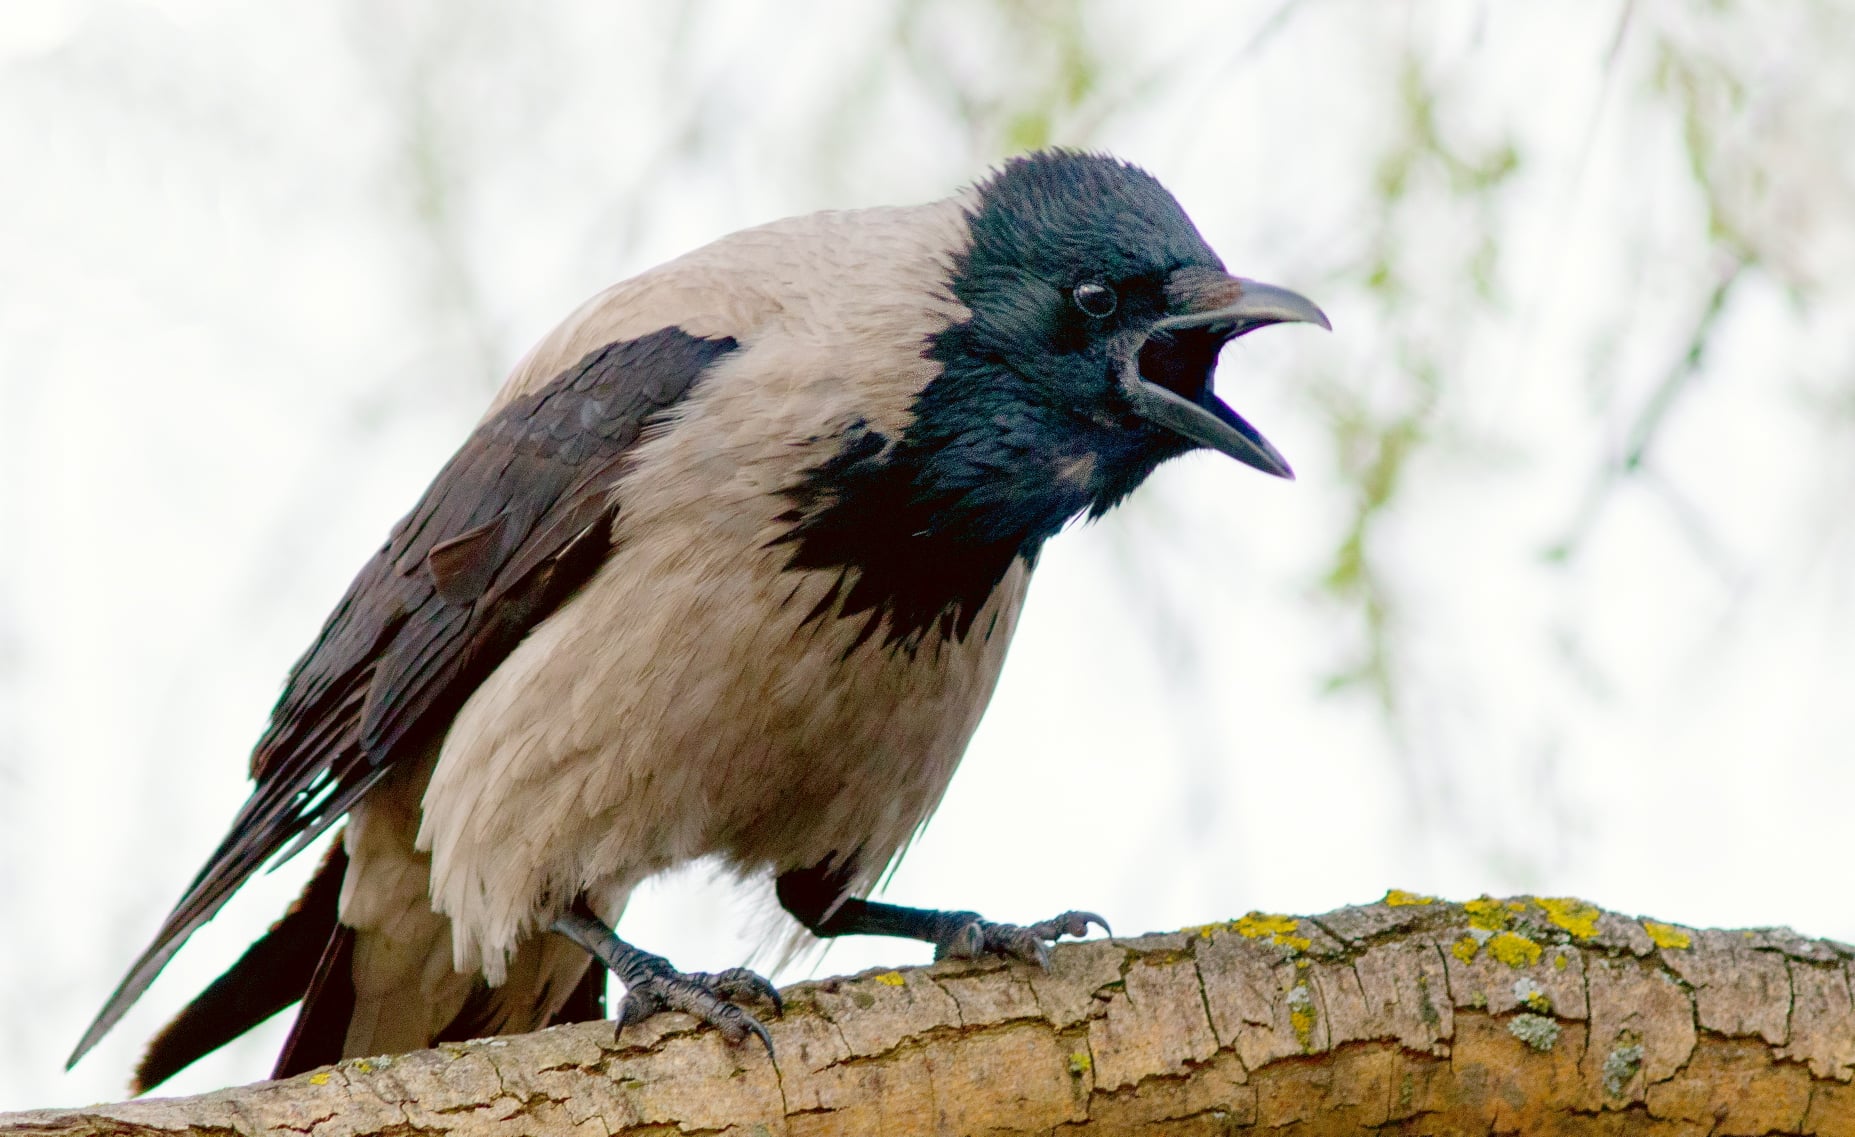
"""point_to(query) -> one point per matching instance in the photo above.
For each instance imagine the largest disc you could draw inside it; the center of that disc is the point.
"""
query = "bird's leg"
(815, 897)
(652, 984)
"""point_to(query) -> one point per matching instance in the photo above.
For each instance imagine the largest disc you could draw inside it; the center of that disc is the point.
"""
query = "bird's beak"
(1168, 380)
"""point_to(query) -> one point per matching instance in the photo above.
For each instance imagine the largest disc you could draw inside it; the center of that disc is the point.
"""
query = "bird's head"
(1093, 318)
(1097, 313)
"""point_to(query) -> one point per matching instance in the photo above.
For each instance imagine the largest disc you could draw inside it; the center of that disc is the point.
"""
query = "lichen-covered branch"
(1529, 1015)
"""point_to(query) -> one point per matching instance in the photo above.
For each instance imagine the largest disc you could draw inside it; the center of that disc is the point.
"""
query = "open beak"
(1169, 379)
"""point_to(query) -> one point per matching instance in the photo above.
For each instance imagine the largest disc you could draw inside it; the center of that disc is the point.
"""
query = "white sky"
(237, 337)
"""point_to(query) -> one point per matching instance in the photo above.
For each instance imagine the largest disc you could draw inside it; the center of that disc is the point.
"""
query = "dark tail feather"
(272, 974)
(322, 1025)
(587, 1003)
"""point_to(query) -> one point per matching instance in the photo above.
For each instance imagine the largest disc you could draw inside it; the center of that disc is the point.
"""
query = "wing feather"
(432, 614)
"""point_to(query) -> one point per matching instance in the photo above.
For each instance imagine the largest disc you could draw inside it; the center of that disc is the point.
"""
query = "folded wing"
(514, 523)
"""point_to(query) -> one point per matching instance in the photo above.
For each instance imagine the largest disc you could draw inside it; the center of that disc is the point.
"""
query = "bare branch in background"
(1640, 438)
(1381, 425)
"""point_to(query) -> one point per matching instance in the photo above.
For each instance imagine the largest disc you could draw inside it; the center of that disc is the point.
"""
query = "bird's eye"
(1095, 298)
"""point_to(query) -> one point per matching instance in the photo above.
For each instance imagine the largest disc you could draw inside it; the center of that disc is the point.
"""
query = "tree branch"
(1525, 1015)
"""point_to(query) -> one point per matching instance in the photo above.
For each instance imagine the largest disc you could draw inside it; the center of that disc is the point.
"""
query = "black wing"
(514, 523)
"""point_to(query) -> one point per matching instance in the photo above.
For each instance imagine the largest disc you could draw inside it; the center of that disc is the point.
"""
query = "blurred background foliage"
(1559, 603)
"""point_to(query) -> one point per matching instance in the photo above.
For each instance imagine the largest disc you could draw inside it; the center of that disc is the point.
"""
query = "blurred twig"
(1378, 430)
(1648, 424)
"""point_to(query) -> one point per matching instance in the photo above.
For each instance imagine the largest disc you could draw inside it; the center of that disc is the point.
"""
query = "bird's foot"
(969, 937)
(652, 985)
(713, 998)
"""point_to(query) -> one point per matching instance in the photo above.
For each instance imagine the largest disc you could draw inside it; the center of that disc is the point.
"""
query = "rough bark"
(1529, 1015)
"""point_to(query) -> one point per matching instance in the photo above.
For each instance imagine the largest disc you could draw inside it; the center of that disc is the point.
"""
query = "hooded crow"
(728, 570)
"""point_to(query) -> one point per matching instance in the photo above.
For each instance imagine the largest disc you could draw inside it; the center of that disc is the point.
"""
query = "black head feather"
(1025, 427)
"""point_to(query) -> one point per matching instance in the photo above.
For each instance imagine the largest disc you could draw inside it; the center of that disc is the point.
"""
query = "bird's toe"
(708, 998)
(1072, 923)
(1020, 943)
(740, 983)
(966, 936)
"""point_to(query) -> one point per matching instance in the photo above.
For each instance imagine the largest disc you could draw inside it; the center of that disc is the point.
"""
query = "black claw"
(1071, 924)
(770, 993)
(638, 1006)
(766, 1039)
(735, 1024)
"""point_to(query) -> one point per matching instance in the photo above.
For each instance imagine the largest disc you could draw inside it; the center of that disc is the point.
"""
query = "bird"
(727, 570)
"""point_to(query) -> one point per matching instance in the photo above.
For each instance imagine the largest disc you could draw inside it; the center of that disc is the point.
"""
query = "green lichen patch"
(1537, 1031)
(1398, 898)
(1620, 1067)
(1302, 1015)
(1426, 1008)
